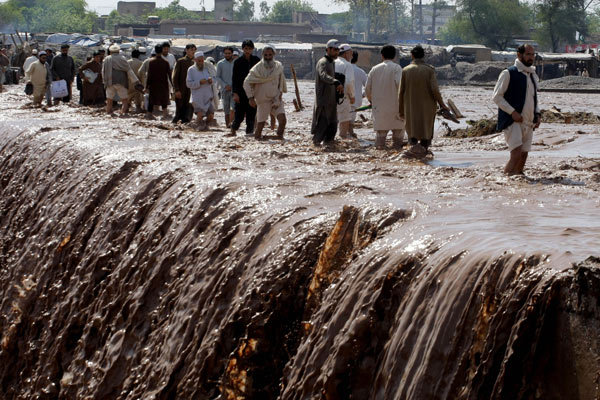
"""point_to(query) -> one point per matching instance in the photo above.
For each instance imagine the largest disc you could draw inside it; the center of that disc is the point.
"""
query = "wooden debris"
(299, 107)
(455, 109)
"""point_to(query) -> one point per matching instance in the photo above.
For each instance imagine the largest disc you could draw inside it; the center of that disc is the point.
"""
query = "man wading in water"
(518, 109)
(265, 85)
(324, 122)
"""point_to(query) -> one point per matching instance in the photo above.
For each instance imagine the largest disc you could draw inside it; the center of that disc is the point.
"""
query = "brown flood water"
(142, 261)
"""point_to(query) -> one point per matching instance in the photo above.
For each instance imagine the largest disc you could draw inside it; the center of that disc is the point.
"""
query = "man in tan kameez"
(418, 98)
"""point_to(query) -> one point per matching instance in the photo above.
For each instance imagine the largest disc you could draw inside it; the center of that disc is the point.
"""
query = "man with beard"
(223, 78)
(418, 98)
(63, 68)
(158, 82)
(324, 122)
(265, 86)
(182, 92)
(241, 67)
(117, 76)
(518, 108)
(40, 76)
(200, 82)
(92, 88)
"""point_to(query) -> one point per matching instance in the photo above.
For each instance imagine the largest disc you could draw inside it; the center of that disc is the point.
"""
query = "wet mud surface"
(142, 260)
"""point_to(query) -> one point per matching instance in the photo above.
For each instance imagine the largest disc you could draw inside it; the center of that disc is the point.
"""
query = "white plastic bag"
(59, 89)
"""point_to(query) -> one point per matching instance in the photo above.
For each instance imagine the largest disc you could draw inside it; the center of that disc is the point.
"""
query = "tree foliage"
(559, 20)
(243, 10)
(495, 22)
(283, 10)
(176, 11)
(48, 16)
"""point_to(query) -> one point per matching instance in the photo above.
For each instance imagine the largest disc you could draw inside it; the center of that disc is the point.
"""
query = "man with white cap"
(40, 76)
(143, 71)
(143, 51)
(344, 109)
(200, 82)
(30, 60)
(264, 86)
(324, 123)
(117, 76)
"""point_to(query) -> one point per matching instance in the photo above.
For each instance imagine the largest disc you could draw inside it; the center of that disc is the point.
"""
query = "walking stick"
(299, 106)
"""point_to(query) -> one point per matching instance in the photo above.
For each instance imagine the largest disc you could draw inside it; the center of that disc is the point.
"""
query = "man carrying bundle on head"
(264, 86)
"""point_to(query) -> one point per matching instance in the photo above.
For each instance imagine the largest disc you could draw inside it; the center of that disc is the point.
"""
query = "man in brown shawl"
(324, 123)
(418, 98)
(93, 87)
(157, 84)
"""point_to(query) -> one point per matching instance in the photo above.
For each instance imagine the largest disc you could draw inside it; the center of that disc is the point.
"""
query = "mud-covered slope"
(137, 263)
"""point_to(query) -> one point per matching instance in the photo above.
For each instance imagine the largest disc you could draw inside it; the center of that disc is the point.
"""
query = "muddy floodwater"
(143, 260)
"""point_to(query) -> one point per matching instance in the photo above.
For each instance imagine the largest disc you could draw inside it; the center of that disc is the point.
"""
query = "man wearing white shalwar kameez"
(200, 83)
(382, 88)
(344, 110)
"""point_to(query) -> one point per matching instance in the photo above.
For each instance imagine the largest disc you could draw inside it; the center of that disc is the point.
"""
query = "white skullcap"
(198, 54)
(115, 48)
(269, 46)
(236, 53)
(345, 47)
(34, 52)
(142, 49)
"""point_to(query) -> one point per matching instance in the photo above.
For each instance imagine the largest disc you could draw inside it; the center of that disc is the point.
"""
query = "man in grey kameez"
(324, 124)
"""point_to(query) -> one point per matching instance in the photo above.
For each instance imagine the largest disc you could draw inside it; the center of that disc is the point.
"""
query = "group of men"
(408, 100)
(251, 89)
(399, 99)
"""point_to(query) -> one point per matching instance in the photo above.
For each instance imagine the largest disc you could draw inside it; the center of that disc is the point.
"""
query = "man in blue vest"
(518, 108)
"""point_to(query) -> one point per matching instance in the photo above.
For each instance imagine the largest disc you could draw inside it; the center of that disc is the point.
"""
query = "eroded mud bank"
(141, 262)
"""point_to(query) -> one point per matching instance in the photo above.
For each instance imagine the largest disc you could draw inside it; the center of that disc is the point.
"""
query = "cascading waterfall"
(133, 279)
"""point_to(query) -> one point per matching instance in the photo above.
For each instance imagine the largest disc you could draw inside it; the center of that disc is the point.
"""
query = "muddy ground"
(558, 193)
(144, 260)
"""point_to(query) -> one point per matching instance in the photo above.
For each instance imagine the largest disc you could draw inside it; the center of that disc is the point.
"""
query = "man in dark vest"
(518, 108)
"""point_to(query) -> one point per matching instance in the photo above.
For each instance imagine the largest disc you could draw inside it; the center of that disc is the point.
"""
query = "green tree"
(558, 20)
(458, 31)
(48, 16)
(114, 18)
(176, 11)
(282, 10)
(243, 10)
(494, 22)
(264, 10)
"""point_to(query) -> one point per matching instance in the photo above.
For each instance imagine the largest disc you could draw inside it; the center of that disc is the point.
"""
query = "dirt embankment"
(466, 73)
